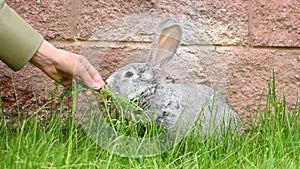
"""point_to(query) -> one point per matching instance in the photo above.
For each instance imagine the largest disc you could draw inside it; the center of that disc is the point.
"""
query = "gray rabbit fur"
(179, 106)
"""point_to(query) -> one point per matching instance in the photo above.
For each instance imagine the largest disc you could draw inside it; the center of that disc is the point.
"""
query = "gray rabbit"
(178, 106)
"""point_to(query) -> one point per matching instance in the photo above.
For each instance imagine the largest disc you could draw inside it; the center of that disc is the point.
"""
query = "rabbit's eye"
(128, 74)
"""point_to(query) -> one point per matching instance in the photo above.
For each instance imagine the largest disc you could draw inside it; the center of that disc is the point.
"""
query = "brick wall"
(250, 38)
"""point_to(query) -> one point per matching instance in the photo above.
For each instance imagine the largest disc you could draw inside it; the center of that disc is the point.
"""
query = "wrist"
(45, 57)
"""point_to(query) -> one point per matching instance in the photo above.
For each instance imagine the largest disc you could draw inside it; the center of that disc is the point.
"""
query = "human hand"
(59, 64)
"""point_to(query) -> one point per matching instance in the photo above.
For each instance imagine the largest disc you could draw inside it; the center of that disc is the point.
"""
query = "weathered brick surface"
(23, 91)
(70, 19)
(272, 23)
(52, 18)
(276, 23)
(223, 22)
(249, 71)
(92, 15)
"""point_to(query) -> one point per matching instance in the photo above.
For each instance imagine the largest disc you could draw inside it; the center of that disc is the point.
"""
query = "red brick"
(249, 71)
(222, 22)
(52, 18)
(92, 15)
(276, 23)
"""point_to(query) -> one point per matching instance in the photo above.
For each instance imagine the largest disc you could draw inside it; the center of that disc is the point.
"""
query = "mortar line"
(74, 17)
(147, 44)
(250, 12)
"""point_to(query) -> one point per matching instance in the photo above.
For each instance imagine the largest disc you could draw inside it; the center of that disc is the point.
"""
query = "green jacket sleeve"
(18, 40)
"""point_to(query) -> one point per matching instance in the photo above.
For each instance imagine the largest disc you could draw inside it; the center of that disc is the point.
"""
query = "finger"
(88, 74)
(88, 93)
(95, 75)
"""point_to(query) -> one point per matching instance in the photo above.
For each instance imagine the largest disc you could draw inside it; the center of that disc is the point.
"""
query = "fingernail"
(97, 86)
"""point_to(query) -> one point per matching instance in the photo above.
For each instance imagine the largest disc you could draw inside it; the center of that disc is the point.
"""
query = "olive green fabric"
(18, 40)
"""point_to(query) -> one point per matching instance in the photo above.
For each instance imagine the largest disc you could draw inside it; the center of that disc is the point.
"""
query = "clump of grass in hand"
(124, 115)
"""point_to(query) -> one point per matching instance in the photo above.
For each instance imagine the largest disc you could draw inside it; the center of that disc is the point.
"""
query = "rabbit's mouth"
(122, 91)
(136, 93)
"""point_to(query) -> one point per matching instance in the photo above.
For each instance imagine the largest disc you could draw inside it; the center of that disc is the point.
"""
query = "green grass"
(273, 142)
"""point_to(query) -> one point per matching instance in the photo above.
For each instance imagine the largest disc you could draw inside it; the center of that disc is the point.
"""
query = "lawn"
(273, 142)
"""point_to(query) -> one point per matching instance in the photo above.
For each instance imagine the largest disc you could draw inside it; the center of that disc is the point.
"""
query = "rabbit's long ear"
(165, 43)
